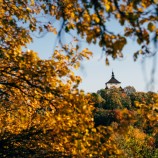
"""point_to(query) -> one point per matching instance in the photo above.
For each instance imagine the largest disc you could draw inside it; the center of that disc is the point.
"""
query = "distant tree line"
(115, 107)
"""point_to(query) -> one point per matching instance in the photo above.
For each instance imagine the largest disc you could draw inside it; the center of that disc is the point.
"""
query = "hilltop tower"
(113, 82)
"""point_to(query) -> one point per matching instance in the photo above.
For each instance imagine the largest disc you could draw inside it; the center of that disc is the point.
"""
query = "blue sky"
(95, 73)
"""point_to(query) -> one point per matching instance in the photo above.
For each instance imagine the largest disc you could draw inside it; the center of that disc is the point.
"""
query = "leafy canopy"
(42, 112)
(89, 19)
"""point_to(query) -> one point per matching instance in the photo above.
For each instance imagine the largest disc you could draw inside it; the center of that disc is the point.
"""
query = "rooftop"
(113, 80)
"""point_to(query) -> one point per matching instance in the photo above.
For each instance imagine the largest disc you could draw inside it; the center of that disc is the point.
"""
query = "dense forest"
(43, 113)
(116, 107)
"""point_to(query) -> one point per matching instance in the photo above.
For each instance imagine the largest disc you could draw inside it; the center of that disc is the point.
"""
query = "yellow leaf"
(151, 27)
(107, 6)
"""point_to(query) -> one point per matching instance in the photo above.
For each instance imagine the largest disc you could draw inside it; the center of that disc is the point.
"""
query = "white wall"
(110, 85)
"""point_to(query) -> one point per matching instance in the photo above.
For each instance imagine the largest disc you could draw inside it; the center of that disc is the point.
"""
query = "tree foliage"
(90, 19)
(139, 120)
(114, 98)
(42, 112)
(41, 108)
(129, 90)
(135, 143)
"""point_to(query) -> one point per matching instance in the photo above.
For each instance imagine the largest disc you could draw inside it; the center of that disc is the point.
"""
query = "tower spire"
(113, 82)
(113, 74)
